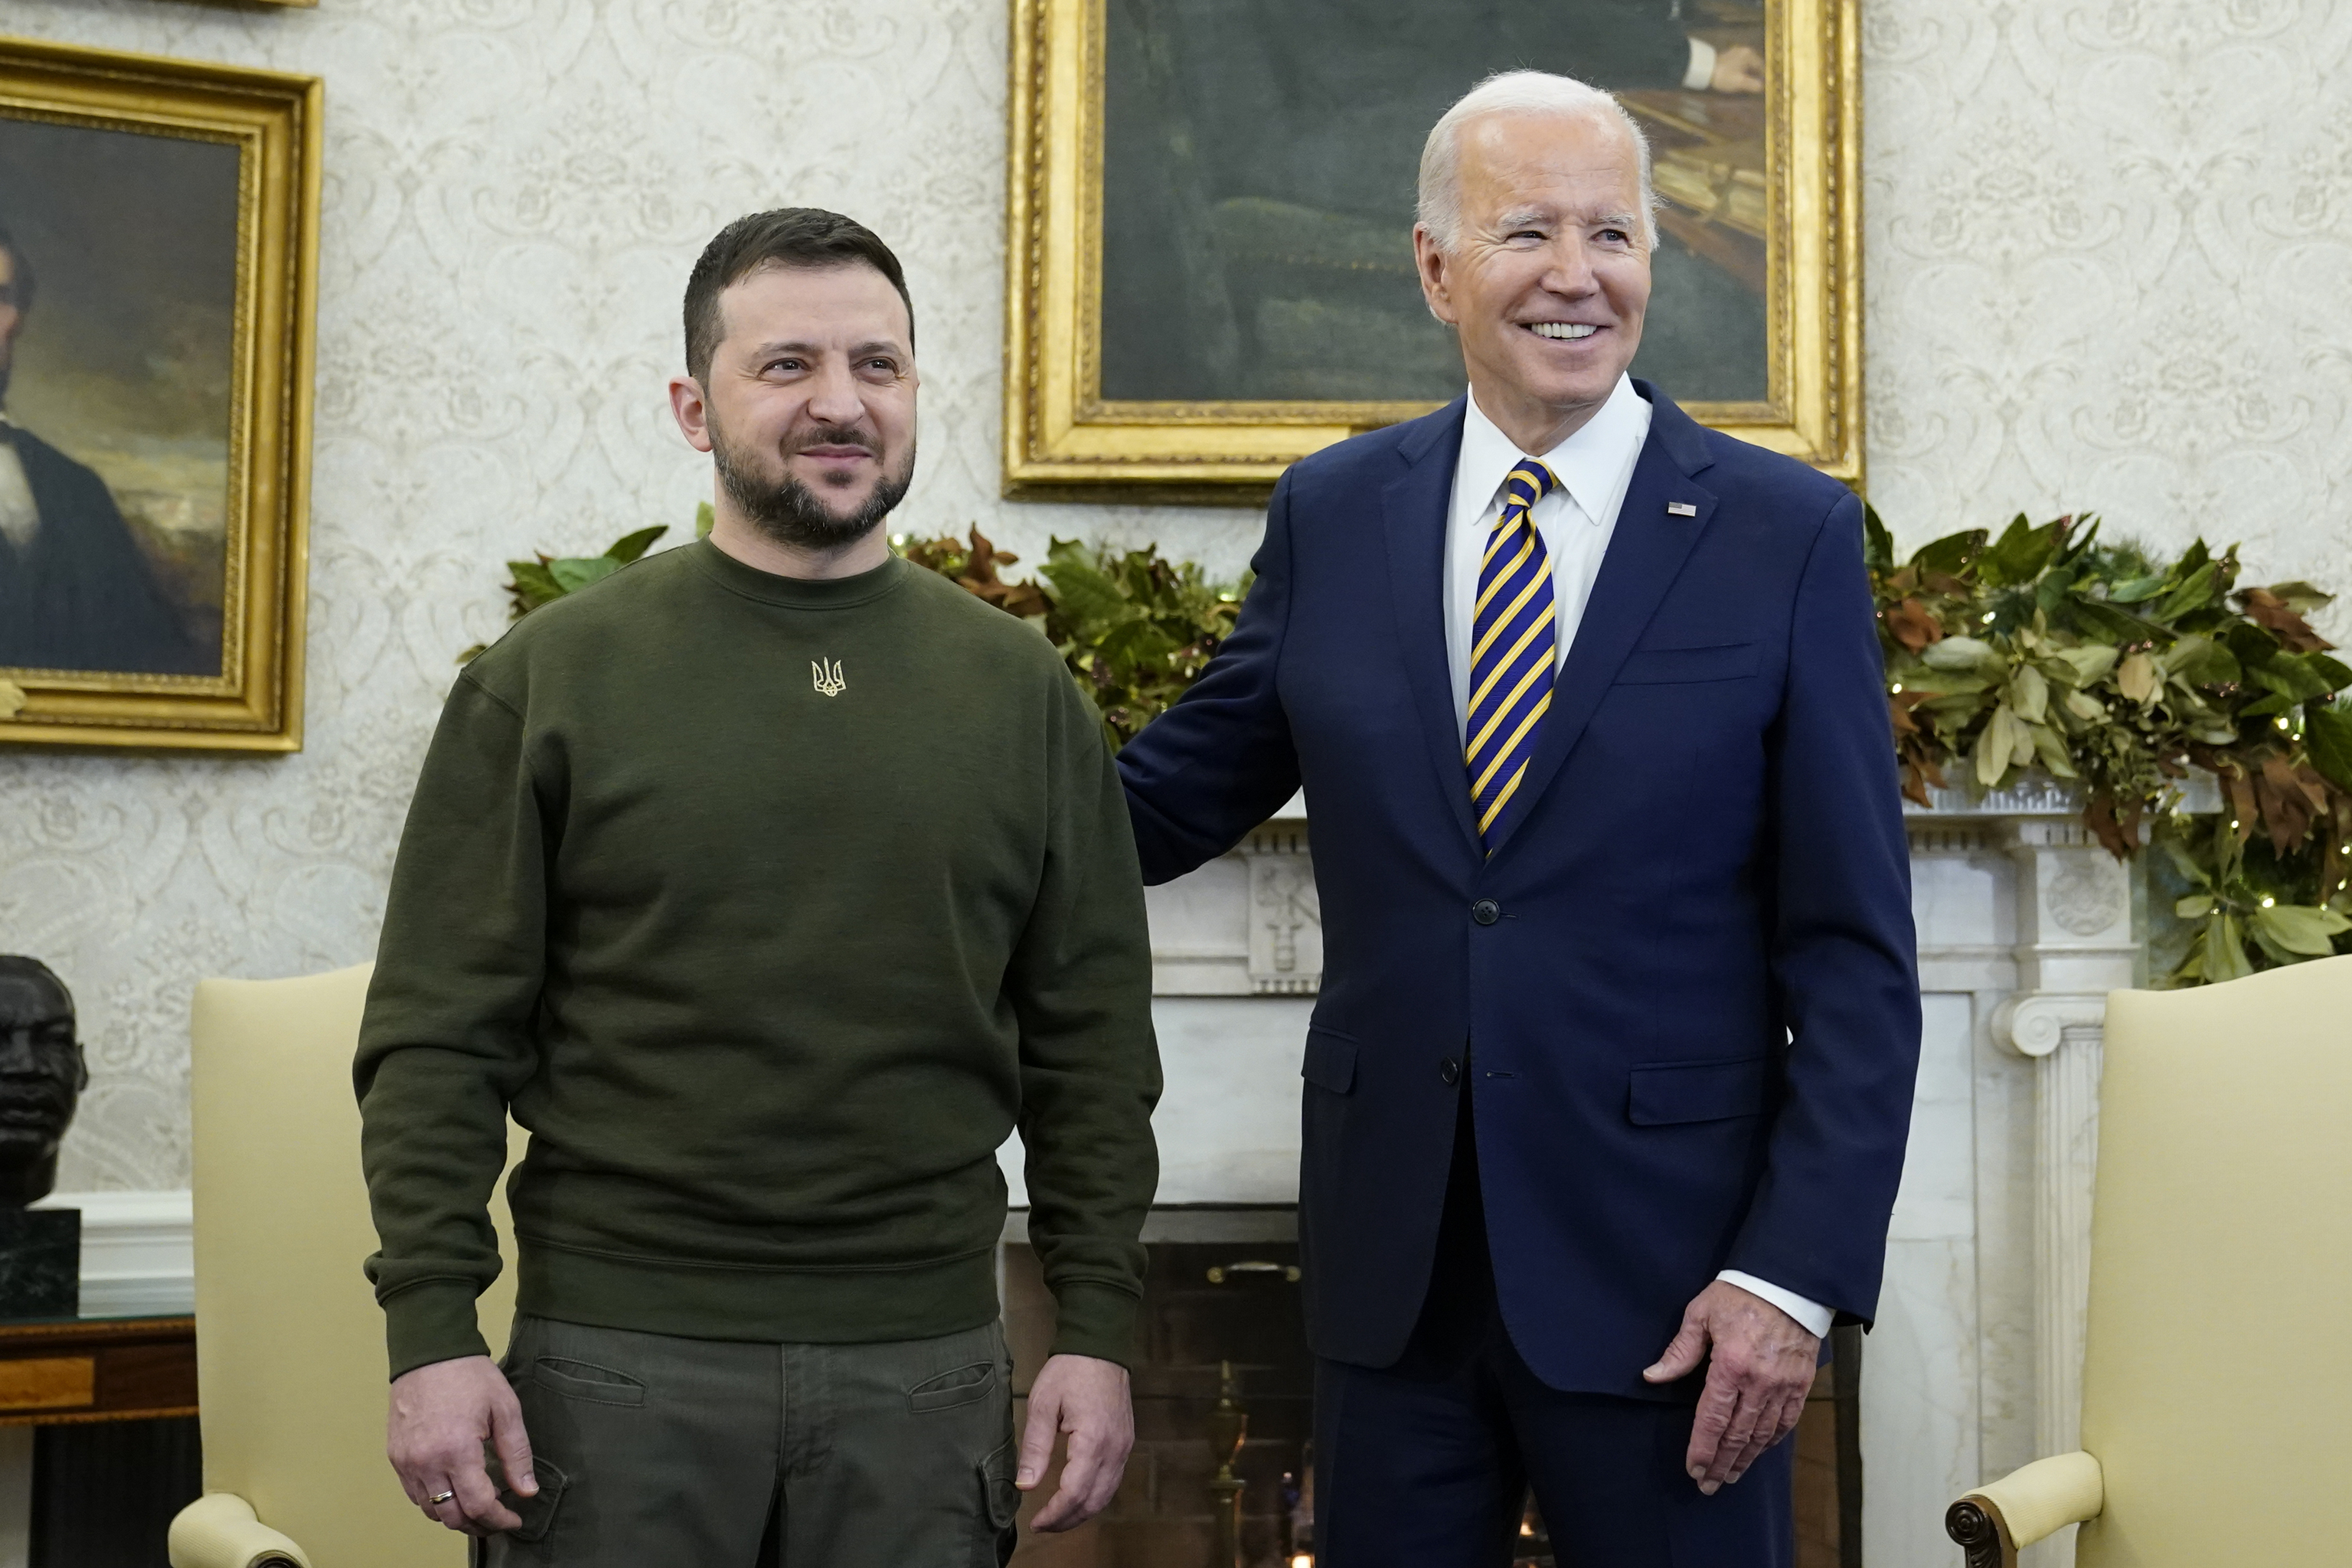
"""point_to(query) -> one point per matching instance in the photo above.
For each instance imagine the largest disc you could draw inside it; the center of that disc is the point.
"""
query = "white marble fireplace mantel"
(2024, 925)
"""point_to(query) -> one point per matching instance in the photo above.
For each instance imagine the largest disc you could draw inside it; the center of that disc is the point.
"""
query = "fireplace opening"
(1222, 1475)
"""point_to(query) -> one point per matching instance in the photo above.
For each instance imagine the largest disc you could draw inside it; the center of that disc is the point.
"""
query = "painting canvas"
(158, 236)
(1258, 188)
(1212, 210)
(118, 307)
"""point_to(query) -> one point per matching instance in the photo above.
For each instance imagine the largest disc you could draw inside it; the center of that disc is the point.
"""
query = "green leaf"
(2050, 748)
(2293, 676)
(2134, 590)
(2196, 906)
(2006, 740)
(2186, 863)
(1951, 554)
(1957, 654)
(1946, 682)
(1877, 544)
(2111, 625)
(1085, 593)
(2019, 555)
(2329, 669)
(2327, 735)
(2197, 589)
(2252, 646)
(2225, 950)
(630, 546)
(2086, 664)
(2029, 693)
(2202, 661)
(705, 520)
(2300, 928)
(576, 572)
(2299, 596)
(535, 584)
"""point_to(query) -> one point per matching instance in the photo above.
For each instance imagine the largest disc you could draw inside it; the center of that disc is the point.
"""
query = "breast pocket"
(1677, 666)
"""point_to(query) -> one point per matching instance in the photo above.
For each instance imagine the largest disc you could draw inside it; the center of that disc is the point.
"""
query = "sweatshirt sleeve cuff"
(429, 1322)
(1096, 1321)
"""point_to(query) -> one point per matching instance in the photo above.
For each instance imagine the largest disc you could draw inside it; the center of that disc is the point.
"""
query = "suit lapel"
(1414, 507)
(1646, 552)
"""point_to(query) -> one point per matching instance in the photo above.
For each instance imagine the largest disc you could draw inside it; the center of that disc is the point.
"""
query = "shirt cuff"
(1701, 74)
(1815, 1316)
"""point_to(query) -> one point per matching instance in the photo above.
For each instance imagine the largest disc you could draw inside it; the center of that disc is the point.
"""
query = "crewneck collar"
(798, 592)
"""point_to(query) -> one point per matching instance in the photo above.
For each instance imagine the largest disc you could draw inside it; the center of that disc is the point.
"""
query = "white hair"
(1516, 92)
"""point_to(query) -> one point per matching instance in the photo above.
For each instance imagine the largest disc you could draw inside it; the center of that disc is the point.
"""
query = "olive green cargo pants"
(724, 1455)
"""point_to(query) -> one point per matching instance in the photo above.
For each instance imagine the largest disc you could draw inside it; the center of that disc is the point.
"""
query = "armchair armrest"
(219, 1531)
(1994, 1521)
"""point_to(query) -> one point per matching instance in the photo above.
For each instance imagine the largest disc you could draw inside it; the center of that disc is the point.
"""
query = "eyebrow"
(1522, 217)
(871, 346)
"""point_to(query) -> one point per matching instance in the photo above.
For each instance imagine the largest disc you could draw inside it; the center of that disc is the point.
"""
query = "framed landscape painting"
(158, 245)
(1211, 205)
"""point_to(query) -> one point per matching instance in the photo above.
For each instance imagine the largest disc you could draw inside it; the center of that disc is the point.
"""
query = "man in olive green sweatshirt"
(769, 883)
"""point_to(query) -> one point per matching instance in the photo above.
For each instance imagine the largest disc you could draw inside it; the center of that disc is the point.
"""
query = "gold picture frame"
(222, 439)
(1793, 189)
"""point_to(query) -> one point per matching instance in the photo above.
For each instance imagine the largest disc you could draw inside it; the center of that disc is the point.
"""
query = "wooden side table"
(59, 1369)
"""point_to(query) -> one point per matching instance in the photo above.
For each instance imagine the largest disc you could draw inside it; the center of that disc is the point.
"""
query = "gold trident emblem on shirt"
(827, 678)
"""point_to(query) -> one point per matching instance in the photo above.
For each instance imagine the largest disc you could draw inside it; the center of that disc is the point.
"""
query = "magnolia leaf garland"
(2039, 650)
(2045, 649)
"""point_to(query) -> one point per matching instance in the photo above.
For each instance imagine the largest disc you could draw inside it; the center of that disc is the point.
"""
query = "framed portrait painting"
(1212, 205)
(158, 269)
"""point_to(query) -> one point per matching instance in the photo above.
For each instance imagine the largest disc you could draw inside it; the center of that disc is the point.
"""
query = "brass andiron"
(1228, 1428)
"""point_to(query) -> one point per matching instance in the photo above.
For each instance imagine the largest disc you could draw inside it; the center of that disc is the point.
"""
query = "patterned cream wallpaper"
(2110, 263)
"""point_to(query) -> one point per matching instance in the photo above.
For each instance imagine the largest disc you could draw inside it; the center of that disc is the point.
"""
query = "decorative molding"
(138, 1252)
(2089, 897)
(1286, 913)
(2033, 1024)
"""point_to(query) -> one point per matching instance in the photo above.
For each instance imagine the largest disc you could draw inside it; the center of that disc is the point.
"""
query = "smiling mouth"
(1563, 331)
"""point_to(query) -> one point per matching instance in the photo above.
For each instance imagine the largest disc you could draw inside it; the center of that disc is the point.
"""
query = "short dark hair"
(788, 236)
(20, 289)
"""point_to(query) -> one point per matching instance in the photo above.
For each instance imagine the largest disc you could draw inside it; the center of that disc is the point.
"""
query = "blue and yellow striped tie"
(1510, 651)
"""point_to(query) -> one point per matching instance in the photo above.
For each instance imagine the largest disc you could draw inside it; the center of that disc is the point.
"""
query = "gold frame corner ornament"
(1064, 440)
(275, 121)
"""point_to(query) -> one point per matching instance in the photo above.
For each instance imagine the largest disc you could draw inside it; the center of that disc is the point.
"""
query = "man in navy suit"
(1609, 1082)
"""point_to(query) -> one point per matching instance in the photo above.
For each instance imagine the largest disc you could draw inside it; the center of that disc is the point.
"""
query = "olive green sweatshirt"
(770, 907)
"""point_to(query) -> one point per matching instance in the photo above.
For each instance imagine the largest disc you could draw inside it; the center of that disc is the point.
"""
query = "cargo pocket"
(1000, 1505)
(537, 1513)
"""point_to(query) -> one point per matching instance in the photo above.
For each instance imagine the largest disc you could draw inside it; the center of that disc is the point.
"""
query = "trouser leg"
(898, 1453)
(1609, 1477)
(1416, 1464)
(649, 1449)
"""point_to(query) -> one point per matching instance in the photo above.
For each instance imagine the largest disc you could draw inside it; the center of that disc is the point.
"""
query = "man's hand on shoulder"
(1087, 1399)
(1760, 1364)
(441, 1415)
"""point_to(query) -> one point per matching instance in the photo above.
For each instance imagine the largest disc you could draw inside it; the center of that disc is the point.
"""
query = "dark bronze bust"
(41, 1075)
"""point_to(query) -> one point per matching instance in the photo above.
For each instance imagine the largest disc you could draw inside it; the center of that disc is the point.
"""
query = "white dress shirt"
(20, 518)
(1576, 520)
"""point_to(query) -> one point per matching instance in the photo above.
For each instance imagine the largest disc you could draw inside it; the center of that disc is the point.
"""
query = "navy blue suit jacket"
(1691, 1018)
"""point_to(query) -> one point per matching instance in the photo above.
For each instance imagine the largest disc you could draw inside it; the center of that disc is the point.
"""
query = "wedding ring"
(437, 1499)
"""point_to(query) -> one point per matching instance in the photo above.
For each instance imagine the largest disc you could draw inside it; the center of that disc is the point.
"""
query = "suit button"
(1449, 1069)
(1486, 911)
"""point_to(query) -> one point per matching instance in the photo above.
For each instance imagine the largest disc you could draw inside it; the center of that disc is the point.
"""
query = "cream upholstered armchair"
(290, 1344)
(2219, 1370)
